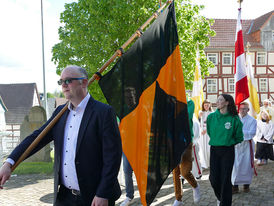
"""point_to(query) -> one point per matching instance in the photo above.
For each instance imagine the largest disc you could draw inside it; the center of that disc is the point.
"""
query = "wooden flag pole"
(94, 77)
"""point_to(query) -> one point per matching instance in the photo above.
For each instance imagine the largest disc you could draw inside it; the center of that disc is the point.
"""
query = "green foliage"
(93, 30)
(34, 168)
(50, 95)
(58, 94)
(55, 94)
(194, 32)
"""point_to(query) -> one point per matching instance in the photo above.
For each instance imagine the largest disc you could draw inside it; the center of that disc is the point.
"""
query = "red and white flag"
(241, 83)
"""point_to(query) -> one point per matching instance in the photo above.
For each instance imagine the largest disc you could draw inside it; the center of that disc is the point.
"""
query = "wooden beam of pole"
(128, 42)
(57, 117)
(39, 138)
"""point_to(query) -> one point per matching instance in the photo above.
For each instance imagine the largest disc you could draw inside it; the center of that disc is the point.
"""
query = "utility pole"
(43, 60)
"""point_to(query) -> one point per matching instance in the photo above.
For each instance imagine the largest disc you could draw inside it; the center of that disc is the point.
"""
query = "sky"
(21, 41)
(21, 44)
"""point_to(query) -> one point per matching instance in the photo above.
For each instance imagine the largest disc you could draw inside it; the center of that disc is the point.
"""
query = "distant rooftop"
(226, 29)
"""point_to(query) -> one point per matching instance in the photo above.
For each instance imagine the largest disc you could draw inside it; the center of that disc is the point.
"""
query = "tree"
(94, 29)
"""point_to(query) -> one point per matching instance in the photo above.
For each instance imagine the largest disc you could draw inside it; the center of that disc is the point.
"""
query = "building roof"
(18, 99)
(258, 23)
(226, 29)
(225, 34)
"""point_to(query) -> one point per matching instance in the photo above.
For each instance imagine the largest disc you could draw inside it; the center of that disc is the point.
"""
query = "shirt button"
(70, 126)
(65, 164)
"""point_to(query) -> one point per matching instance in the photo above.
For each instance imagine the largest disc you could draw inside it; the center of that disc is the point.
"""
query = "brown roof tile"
(259, 22)
(226, 28)
(225, 34)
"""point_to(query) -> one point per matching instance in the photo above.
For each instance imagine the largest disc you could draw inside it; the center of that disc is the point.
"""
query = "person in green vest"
(225, 130)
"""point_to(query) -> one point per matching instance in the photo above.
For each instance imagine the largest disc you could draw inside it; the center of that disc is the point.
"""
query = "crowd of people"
(223, 141)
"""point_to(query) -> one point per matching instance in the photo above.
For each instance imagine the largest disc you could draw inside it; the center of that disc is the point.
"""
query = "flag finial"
(240, 2)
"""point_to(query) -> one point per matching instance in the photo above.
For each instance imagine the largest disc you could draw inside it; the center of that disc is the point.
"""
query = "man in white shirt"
(243, 168)
(87, 147)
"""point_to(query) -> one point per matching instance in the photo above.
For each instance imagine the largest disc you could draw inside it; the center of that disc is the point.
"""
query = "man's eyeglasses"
(68, 81)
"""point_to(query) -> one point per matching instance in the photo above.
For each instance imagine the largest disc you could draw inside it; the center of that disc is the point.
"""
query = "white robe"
(204, 152)
(196, 165)
(266, 130)
(242, 172)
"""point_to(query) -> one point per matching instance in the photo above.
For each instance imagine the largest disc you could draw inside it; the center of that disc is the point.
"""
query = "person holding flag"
(87, 145)
(185, 167)
(243, 168)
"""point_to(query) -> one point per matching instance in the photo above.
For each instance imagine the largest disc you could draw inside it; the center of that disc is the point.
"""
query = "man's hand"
(98, 201)
(5, 172)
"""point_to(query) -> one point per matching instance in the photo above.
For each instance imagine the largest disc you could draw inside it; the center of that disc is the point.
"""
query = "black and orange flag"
(146, 88)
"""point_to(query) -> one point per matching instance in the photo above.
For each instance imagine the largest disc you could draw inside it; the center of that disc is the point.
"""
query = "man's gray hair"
(81, 70)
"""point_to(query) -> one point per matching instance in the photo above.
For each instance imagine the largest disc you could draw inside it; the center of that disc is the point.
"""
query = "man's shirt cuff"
(11, 161)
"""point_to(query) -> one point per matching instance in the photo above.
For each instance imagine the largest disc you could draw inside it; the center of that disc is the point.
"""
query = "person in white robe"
(204, 147)
(196, 165)
(264, 139)
(243, 168)
(267, 107)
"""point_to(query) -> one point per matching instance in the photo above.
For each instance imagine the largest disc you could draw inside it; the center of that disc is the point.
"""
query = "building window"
(212, 57)
(272, 35)
(263, 84)
(211, 85)
(231, 85)
(227, 58)
(261, 58)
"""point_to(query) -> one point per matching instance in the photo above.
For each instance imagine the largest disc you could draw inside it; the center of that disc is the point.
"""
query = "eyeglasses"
(68, 81)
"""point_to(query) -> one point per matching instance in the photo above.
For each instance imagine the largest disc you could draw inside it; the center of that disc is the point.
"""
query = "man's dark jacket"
(98, 151)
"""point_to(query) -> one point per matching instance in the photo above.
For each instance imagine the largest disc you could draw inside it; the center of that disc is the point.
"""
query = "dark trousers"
(221, 165)
(66, 198)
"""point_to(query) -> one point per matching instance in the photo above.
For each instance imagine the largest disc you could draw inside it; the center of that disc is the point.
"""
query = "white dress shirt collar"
(80, 106)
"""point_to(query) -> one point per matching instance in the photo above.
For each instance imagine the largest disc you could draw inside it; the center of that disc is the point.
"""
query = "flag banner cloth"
(146, 88)
(253, 99)
(197, 89)
(241, 86)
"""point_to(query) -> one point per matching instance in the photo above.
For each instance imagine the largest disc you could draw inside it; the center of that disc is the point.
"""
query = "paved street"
(37, 190)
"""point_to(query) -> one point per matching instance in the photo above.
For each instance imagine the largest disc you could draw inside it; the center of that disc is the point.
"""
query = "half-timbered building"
(259, 35)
